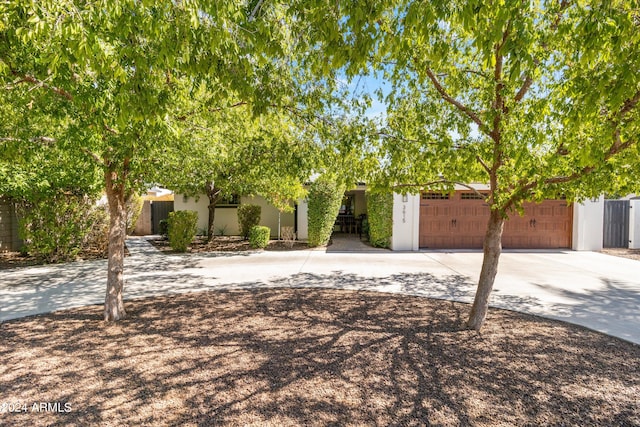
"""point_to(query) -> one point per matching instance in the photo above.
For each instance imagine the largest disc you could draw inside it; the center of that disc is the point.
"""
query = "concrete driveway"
(595, 290)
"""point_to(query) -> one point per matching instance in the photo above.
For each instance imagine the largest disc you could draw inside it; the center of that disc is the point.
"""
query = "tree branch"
(441, 181)
(30, 79)
(255, 10)
(45, 139)
(528, 81)
(616, 147)
(483, 164)
(94, 156)
(466, 110)
(629, 104)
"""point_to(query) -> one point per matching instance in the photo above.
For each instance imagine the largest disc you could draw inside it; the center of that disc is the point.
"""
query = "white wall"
(588, 219)
(406, 222)
(268, 215)
(182, 203)
(227, 217)
(303, 221)
(634, 224)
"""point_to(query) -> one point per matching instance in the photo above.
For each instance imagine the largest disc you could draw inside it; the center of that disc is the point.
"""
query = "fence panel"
(159, 211)
(616, 224)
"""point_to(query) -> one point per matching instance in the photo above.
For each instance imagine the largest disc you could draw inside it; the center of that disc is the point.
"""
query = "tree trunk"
(212, 194)
(113, 303)
(492, 249)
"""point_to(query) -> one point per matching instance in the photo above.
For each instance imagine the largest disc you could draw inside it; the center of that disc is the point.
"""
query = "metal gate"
(616, 224)
(159, 211)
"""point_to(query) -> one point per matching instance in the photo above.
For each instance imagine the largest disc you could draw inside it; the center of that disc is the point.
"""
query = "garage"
(458, 221)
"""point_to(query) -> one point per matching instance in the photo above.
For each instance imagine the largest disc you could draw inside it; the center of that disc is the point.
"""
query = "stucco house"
(431, 220)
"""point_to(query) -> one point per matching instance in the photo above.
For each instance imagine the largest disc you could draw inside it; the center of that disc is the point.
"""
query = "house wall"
(303, 221)
(587, 224)
(406, 222)
(634, 224)
(227, 217)
(588, 218)
(143, 225)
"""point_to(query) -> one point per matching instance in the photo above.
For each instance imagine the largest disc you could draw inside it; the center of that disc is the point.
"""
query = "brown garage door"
(459, 221)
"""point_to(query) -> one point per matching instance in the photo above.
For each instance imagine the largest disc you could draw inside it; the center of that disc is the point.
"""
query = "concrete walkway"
(595, 290)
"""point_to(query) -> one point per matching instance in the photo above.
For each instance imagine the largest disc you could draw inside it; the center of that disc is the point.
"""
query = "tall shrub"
(248, 216)
(182, 229)
(55, 229)
(325, 196)
(380, 218)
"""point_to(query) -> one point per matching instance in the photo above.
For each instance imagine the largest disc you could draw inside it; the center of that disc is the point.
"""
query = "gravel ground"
(311, 357)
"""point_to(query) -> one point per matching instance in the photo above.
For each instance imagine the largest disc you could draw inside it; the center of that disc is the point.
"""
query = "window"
(232, 201)
(435, 196)
(472, 196)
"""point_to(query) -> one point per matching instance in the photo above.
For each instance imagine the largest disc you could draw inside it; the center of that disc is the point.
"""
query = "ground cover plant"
(313, 357)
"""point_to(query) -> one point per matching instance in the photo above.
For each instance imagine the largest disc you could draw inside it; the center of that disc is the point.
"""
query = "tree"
(232, 151)
(537, 99)
(120, 73)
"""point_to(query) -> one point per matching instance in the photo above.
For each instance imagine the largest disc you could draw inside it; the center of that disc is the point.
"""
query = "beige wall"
(227, 217)
(143, 225)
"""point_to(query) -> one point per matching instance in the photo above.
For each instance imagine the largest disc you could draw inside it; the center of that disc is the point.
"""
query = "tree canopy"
(537, 99)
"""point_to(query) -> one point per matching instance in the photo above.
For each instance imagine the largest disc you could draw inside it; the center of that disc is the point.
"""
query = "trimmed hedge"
(248, 216)
(182, 229)
(380, 218)
(325, 197)
(259, 236)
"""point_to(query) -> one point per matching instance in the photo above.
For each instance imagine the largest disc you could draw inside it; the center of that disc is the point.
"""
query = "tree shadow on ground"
(314, 357)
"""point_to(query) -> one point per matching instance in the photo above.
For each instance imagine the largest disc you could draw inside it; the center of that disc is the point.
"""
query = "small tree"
(248, 216)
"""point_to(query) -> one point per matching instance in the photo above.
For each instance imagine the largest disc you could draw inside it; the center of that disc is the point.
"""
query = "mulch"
(311, 357)
(228, 244)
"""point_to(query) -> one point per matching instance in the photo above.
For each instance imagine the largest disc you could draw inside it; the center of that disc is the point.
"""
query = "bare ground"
(624, 253)
(312, 357)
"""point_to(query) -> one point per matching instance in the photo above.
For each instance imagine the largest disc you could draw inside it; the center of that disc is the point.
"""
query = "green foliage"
(259, 236)
(248, 216)
(325, 196)
(380, 218)
(134, 206)
(56, 229)
(182, 229)
(163, 226)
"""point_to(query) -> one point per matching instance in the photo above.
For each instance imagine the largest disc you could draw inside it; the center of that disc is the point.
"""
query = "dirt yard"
(311, 357)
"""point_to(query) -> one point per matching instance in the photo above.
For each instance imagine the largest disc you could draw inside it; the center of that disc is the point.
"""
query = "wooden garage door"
(459, 221)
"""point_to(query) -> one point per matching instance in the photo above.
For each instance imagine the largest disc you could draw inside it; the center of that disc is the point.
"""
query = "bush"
(325, 197)
(97, 239)
(288, 236)
(248, 216)
(56, 229)
(182, 229)
(380, 219)
(134, 206)
(163, 227)
(259, 236)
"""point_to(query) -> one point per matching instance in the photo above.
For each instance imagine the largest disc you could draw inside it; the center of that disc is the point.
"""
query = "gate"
(159, 211)
(616, 224)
